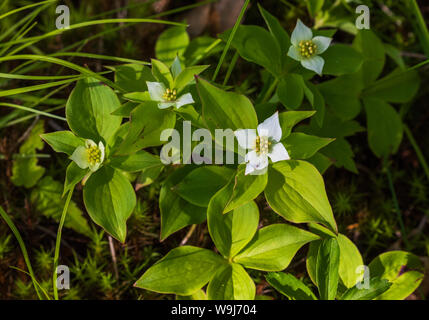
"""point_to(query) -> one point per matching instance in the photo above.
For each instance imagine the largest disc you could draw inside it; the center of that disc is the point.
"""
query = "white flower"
(167, 97)
(306, 49)
(263, 143)
(89, 156)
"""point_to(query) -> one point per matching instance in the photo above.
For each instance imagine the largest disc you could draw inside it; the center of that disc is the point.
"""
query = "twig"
(413, 55)
(27, 132)
(113, 253)
(55, 125)
(188, 235)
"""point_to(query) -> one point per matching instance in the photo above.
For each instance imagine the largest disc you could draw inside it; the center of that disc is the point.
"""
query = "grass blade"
(18, 237)
(17, 106)
(25, 8)
(231, 36)
(419, 24)
(87, 24)
(64, 63)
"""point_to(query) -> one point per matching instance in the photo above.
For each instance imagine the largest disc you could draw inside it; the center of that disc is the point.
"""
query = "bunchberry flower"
(89, 156)
(167, 97)
(263, 143)
(306, 48)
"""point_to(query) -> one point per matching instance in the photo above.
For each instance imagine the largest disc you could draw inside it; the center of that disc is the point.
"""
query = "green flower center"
(170, 95)
(94, 155)
(307, 48)
(263, 145)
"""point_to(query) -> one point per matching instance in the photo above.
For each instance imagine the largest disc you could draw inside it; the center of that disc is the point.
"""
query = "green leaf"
(133, 77)
(341, 59)
(198, 295)
(176, 212)
(321, 231)
(289, 286)
(231, 283)
(147, 122)
(134, 97)
(403, 269)
(310, 262)
(176, 67)
(171, 43)
(183, 271)
(25, 170)
(395, 54)
(291, 90)
(350, 261)
(303, 146)
(342, 152)
(273, 247)
(110, 200)
(189, 113)
(217, 110)
(276, 29)
(202, 183)
(372, 50)
(136, 162)
(296, 191)
(63, 141)
(187, 76)
(255, 44)
(339, 151)
(398, 87)
(127, 107)
(327, 265)
(46, 199)
(314, 6)
(377, 287)
(385, 128)
(89, 109)
(74, 174)
(350, 257)
(162, 73)
(244, 188)
(200, 47)
(321, 162)
(342, 95)
(232, 231)
(316, 100)
(148, 176)
(120, 136)
(289, 119)
(334, 127)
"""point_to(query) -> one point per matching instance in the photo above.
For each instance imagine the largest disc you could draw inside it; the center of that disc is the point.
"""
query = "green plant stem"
(270, 90)
(58, 242)
(205, 52)
(231, 36)
(396, 204)
(18, 237)
(419, 24)
(417, 150)
(231, 68)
